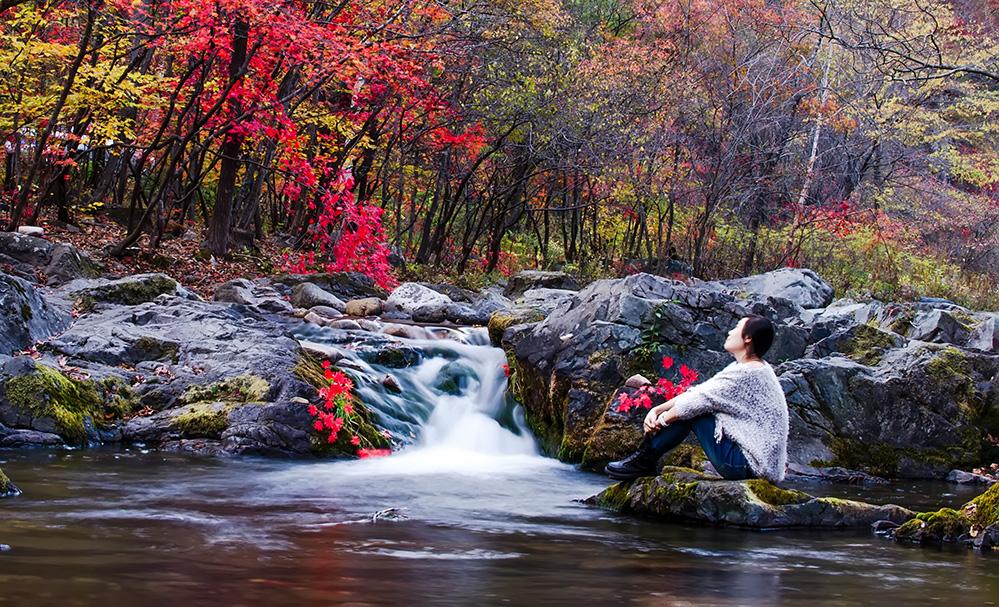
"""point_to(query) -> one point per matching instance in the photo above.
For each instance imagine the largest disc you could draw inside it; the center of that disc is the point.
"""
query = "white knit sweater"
(749, 408)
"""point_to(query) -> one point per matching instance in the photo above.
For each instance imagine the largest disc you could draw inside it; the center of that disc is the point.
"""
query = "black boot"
(639, 463)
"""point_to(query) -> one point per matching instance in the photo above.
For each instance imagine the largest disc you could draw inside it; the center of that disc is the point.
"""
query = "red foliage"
(664, 388)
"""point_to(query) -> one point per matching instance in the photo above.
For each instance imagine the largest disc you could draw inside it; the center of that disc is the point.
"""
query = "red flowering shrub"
(665, 388)
(337, 413)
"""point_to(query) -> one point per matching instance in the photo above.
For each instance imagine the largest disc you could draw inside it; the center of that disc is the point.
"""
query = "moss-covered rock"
(685, 495)
(944, 525)
(868, 344)
(241, 389)
(202, 420)
(128, 291)
(501, 320)
(72, 405)
(7, 488)
(984, 509)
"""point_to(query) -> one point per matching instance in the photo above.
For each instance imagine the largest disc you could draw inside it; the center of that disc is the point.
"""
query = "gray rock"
(987, 539)
(546, 300)
(326, 312)
(801, 286)
(421, 303)
(26, 316)
(127, 291)
(344, 285)
(308, 295)
(985, 336)
(59, 262)
(536, 279)
(969, 478)
(685, 495)
(939, 326)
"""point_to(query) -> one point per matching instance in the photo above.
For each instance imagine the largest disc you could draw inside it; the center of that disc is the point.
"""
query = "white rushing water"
(470, 427)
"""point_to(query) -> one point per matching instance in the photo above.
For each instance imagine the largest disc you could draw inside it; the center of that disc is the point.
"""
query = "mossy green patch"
(614, 497)
(770, 494)
(203, 420)
(943, 525)
(874, 458)
(6, 487)
(130, 291)
(68, 402)
(867, 345)
(686, 455)
(985, 507)
(240, 389)
(500, 321)
(950, 368)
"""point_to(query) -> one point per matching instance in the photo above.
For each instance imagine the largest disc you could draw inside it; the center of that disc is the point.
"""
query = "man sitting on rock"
(739, 416)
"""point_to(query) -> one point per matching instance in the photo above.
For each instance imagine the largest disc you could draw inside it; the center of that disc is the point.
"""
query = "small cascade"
(451, 410)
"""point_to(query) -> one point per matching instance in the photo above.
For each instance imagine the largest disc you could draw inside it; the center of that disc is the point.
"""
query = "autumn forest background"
(468, 140)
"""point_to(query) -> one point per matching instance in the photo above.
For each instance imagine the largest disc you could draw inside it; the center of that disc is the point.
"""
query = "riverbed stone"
(366, 306)
(344, 285)
(308, 295)
(421, 303)
(128, 291)
(961, 477)
(686, 495)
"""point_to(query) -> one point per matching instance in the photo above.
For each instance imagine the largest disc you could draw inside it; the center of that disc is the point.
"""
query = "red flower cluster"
(337, 412)
(664, 388)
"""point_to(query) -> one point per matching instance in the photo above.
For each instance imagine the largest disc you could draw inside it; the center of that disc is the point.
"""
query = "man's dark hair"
(761, 331)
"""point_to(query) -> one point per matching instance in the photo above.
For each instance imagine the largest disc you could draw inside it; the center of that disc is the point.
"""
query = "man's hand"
(637, 381)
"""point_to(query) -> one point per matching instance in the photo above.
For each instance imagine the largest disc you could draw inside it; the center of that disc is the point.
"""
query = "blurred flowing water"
(478, 517)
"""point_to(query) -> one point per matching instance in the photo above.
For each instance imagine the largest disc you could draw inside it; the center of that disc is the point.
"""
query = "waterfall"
(453, 411)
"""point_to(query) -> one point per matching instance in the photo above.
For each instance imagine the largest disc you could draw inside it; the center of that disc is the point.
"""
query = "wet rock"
(26, 316)
(797, 472)
(58, 263)
(801, 286)
(389, 382)
(308, 295)
(536, 279)
(466, 315)
(326, 312)
(367, 306)
(987, 539)
(950, 525)
(7, 487)
(421, 303)
(969, 478)
(21, 438)
(685, 495)
(882, 527)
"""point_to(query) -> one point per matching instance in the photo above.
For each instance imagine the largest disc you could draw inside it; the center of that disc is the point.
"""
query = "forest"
(420, 138)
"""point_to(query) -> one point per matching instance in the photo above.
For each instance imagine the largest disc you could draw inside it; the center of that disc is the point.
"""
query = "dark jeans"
(726, 456)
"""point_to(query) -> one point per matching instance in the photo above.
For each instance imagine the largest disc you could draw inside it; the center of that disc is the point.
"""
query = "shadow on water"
(480, 518)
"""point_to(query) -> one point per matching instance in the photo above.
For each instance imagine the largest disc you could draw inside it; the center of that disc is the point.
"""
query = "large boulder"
(420, 303)
(33, 258)
(545, 300)
(127, 291)
(985, 336)
(799, 285)
(261, 297)
(685, 495)
(26, 316)
(916, 411)
(536, 279)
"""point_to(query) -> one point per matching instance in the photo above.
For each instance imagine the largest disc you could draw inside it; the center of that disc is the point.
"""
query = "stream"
(468, 512)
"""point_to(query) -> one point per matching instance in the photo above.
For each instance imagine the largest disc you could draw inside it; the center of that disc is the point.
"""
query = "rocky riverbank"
(876, 390)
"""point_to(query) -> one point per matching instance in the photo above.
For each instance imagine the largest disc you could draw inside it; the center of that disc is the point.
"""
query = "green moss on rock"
(944, 525)
(203, 420)
(502, 320)
(984, 509)
(867, 345)
(68, 402)
(614, 497)
(240, 389)
(7, 488)
(768, 493)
